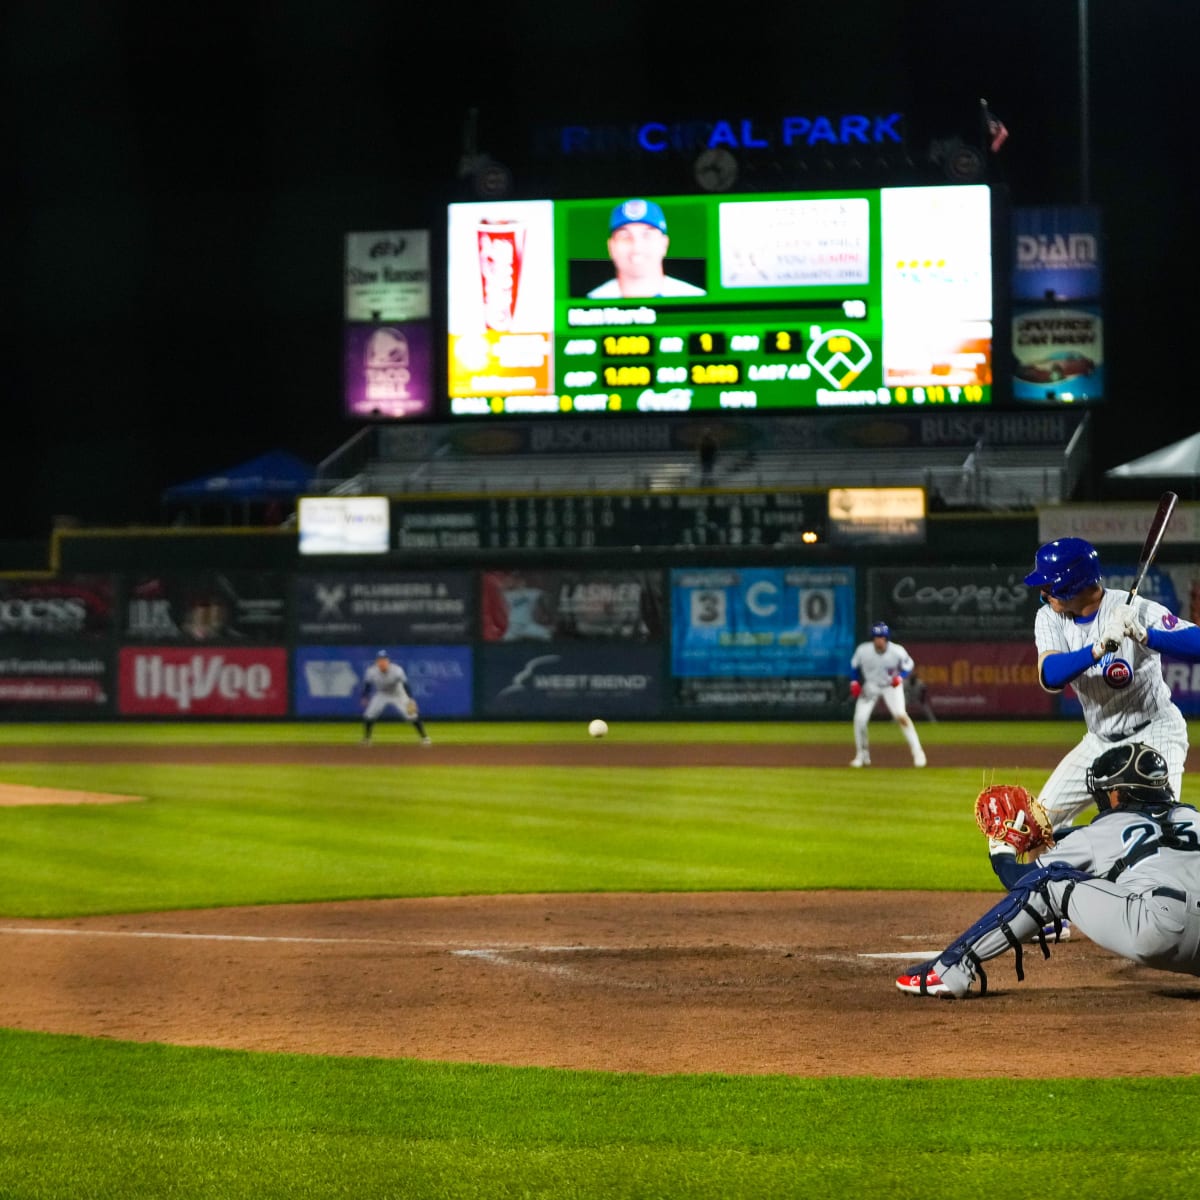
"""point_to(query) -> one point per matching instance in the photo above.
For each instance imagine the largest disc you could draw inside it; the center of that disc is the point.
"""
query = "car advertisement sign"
(1058, 354)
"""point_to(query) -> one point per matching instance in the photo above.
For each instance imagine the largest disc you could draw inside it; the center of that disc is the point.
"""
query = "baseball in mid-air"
(598, 728)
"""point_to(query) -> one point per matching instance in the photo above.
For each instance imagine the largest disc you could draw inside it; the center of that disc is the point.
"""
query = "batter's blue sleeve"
(1059, 669)
(1182, 643)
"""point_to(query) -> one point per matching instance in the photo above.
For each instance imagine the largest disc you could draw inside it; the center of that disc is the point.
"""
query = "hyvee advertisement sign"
(229, 682)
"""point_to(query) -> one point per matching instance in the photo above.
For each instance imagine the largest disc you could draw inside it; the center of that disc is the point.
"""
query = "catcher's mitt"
(1009, 813)
(410, 709)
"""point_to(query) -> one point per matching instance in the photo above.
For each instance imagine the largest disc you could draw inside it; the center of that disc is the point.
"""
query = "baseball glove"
(1009, 813)
(410, 709)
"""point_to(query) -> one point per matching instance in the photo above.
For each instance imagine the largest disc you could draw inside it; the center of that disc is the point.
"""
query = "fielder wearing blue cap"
(637, 246)
(878, 669)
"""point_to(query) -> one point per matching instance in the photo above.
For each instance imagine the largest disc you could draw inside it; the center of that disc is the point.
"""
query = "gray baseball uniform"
(1129, 881)
(388, 689)
(1123, 696)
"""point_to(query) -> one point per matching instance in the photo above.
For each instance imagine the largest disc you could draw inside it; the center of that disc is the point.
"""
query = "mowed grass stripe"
(234, 835)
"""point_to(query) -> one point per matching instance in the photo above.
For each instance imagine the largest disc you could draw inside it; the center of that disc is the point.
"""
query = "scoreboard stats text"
(876, 297)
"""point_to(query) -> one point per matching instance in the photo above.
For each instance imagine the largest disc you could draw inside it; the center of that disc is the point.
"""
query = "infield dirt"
(746, 983)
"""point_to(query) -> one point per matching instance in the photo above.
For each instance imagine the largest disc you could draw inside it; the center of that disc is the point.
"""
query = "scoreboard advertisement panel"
(766, 301)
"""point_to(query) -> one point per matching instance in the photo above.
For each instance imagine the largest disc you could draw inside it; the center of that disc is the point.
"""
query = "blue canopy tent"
(265, 487)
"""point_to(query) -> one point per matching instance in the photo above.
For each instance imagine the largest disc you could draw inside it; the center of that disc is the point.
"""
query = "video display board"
(765, 301)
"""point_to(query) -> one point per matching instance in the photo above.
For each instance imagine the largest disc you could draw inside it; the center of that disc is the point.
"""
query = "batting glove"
(1112, 632)
(1134, 628)
(855, 688)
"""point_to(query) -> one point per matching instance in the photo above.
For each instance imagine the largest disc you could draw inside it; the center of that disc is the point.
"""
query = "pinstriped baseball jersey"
(877, 670)
(1120, 692)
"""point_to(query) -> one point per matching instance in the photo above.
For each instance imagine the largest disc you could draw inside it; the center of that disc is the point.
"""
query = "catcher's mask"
(1065, 567)
(1137, 772)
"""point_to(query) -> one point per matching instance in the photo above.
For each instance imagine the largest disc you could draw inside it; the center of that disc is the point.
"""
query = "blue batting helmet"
(1065, 567)
(880, 629)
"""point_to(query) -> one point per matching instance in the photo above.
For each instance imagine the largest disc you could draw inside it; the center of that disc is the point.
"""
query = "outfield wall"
(671, 637)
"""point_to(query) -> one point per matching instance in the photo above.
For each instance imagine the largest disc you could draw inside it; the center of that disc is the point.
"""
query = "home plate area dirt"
(747, 983)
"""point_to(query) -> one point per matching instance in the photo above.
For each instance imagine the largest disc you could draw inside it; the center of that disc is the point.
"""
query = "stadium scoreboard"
(850, 299)
(677, 520)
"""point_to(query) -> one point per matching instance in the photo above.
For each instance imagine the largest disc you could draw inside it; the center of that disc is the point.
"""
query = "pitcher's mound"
(13, 795)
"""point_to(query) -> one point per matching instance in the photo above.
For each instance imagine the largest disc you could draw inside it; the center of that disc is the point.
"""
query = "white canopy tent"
(1176, 466)
(1180, 460)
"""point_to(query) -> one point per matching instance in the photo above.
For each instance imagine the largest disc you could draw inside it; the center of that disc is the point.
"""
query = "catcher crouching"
(1129, 880)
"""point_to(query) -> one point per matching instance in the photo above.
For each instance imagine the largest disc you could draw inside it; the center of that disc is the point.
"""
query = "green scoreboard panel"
(771, 301)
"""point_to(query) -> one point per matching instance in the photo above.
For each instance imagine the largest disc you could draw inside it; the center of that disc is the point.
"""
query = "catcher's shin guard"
(1021, 914)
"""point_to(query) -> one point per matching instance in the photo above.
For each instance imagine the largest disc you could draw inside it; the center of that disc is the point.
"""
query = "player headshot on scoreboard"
(637, 245)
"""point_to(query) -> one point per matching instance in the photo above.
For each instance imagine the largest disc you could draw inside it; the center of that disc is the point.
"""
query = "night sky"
(181, 181)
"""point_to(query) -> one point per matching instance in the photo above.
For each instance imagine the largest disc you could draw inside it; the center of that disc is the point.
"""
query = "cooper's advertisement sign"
(953, 603)
(228, 681)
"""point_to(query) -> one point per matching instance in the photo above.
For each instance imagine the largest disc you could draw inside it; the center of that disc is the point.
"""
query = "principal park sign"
(731, 133)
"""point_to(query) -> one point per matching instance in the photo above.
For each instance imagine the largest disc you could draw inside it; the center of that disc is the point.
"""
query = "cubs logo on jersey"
(1117, 673)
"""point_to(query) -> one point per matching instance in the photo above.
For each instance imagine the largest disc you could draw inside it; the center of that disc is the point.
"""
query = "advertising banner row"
(771, 642)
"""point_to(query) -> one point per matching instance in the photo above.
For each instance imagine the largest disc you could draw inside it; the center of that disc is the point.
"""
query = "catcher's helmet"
(880, 629)
(1065, 567)
(1136, 771)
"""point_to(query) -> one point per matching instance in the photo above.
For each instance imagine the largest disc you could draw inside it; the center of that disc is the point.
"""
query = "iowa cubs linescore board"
(769, 301)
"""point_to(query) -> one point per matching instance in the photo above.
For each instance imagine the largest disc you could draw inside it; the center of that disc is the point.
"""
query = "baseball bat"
(1154, 537)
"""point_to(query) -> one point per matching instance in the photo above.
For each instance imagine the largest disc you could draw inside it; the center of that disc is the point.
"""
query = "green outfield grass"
(883, 732)
(97, 1118)
(263, 835)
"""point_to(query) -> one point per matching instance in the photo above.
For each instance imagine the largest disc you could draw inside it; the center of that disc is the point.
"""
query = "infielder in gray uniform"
(877, 672)
(1123, 694)
(385, 685)
(1130, 881)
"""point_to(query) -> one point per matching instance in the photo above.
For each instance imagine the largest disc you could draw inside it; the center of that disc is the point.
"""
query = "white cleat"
(427, 741)
(860, 760)
(919, 760)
